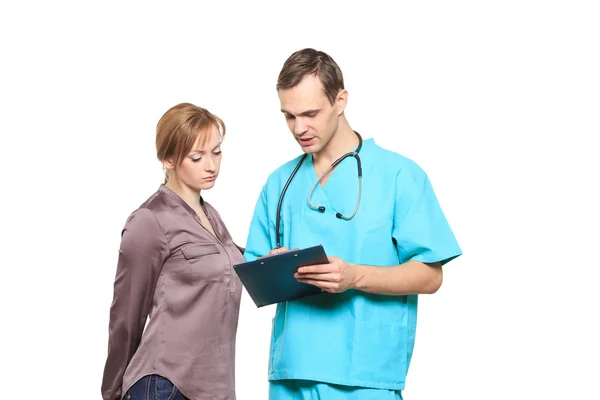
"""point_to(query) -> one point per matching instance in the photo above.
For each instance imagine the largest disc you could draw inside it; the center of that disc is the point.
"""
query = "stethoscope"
(321, 208)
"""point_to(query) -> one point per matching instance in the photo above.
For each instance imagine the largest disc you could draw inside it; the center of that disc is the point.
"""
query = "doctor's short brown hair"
(307, 62)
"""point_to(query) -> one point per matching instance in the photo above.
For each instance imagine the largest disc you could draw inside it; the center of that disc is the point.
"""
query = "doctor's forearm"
(413, 277)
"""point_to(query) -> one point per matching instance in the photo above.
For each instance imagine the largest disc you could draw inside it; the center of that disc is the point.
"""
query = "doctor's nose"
(300, 126)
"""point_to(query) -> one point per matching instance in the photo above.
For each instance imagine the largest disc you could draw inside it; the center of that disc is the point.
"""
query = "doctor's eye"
(288, 116)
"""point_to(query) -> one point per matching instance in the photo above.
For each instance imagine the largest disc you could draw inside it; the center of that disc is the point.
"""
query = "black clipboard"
(270, 280)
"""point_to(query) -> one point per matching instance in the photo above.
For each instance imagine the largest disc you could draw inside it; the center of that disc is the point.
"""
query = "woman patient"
(175, 267)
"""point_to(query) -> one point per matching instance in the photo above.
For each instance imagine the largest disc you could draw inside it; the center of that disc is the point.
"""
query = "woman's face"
(200, 168)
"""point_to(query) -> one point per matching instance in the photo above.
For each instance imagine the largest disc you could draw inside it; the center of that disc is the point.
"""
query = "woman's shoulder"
(148, 212)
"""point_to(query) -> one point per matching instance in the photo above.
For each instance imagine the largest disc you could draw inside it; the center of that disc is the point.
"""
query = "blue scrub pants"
(309, 390)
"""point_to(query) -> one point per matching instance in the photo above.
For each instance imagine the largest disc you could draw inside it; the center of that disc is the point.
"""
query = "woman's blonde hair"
(179, 128)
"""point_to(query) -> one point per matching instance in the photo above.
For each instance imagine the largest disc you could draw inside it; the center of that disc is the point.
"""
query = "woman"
(176, 266)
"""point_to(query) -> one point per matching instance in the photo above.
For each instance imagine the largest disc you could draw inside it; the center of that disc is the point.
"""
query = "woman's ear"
(168, 164)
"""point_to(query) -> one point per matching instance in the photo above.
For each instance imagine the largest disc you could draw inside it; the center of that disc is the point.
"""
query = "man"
(379, 221)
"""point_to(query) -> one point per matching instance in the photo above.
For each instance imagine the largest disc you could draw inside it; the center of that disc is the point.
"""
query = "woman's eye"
(195, 159)
(217, 152)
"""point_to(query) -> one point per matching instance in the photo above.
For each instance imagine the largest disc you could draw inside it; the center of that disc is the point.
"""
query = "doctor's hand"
(335, 277)
(280, 250)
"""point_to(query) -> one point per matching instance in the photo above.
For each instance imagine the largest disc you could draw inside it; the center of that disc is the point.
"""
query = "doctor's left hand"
(335, 277)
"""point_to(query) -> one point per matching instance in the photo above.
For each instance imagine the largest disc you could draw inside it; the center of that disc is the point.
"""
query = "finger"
(327, 286)
(318, 269)
(278, 251)
(331, 277)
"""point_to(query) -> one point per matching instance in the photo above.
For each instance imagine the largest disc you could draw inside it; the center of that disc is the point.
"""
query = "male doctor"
(376, 215)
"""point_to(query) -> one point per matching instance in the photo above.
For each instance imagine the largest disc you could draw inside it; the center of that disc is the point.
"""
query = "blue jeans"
(153, 387)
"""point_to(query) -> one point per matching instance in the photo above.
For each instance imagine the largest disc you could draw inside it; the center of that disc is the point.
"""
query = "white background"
(498, 101)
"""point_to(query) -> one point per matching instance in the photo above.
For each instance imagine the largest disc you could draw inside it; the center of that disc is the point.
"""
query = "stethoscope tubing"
(321, 208)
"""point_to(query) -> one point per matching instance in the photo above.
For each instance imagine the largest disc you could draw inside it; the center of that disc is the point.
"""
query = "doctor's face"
(312, 119)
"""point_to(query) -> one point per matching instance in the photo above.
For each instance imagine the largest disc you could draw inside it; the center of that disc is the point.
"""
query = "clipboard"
(270, 279)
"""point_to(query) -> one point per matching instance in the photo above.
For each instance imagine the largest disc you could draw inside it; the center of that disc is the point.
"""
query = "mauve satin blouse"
(174, 271)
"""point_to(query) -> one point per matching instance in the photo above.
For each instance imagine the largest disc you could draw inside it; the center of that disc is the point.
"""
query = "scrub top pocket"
(378, 352)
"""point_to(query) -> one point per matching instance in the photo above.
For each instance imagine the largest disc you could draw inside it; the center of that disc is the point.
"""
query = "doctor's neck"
(343, 141)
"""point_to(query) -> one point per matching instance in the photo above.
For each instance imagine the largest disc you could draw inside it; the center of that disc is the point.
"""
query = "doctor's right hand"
(280, 250)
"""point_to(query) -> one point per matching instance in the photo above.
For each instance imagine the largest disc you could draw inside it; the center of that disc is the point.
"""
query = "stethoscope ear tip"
(322, 209)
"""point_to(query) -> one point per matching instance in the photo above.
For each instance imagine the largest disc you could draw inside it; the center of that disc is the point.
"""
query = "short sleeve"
(259, 241)
(421, 231)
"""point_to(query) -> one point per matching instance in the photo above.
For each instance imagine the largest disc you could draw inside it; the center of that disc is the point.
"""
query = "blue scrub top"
(352, 338)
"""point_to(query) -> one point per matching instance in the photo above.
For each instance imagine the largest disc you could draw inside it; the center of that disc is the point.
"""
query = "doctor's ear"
(341, 101)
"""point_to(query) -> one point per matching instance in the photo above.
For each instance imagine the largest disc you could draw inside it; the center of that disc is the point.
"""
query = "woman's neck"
(190, 196)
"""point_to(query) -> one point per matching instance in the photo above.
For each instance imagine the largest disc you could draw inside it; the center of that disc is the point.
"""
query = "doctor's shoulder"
(280, 175)
(398, 165)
